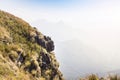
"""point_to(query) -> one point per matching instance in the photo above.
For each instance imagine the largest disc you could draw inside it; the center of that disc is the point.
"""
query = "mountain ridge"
(25, 53)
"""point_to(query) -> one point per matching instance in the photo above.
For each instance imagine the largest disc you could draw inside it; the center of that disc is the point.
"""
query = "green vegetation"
(114, 77)
(93, 77)
(20, 54)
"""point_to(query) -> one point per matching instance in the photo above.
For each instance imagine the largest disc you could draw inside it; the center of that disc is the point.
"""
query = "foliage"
(114, 77)
(19, 48)
(14, 38)
(93, 77)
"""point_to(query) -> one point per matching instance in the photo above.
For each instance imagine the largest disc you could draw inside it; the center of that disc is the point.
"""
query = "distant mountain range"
(79, 60)
(76, 57)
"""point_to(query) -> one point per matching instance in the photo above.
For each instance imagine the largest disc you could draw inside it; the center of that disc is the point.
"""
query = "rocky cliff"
(25, 53)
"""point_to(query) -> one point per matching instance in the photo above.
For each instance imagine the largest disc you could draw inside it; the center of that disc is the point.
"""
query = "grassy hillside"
(25, 53)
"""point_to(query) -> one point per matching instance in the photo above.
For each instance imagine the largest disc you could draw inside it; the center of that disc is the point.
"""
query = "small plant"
(27, 63)
(13, 56)
(93, 77)
(33, 72)
(42, 78)
(114, 77)
(4, 70)
(48, 72)
(102, 78)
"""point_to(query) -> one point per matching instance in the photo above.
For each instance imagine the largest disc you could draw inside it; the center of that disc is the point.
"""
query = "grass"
(95, 77)
(18, 37)
(14, 38)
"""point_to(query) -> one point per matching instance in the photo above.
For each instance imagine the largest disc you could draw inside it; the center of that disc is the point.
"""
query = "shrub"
(93, 77)
(33, 72)
(42, 78)
(4, 70)
(113, 77)
(13, 56)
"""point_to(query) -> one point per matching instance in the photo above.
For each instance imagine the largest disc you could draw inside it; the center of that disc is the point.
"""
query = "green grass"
(17, 36)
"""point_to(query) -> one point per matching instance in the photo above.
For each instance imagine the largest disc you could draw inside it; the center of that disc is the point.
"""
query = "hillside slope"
(25, 53)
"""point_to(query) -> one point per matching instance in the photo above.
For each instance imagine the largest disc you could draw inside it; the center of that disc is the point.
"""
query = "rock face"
(25, 53)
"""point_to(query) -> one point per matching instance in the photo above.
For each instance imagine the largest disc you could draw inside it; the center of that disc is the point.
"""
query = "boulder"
(50, 46)
(45, 60)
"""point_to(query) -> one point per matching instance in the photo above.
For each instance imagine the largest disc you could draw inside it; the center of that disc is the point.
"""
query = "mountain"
(115, 72)
(25, 53)
(78, 59)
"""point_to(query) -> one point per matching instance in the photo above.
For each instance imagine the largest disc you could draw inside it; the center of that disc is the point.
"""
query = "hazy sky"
(95, 23)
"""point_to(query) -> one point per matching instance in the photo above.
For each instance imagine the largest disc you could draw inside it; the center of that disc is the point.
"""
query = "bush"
(4, 70)
(113, 77)
(93, 77)
(13, 56)
(33, 72)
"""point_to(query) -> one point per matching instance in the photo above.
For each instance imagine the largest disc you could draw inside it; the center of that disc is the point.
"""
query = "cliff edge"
(25, 53)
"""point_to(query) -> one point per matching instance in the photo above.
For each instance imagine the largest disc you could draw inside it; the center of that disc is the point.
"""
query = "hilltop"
(25, 53)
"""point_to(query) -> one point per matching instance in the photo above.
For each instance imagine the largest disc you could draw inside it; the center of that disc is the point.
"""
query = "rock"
(25, 53)
(45, 60)
(40, 41)
(50, 46)
(35, 68)
(47, 38)
(45, 42)
(21, 58)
